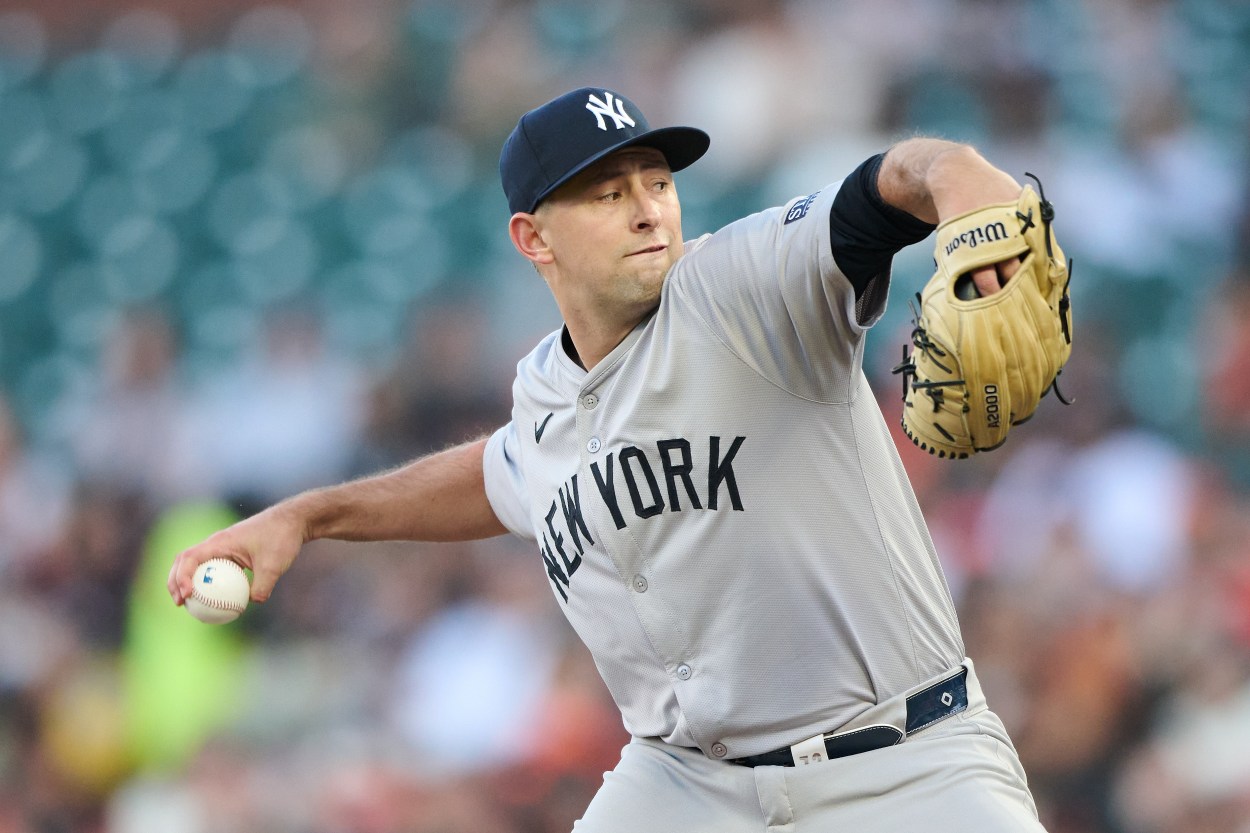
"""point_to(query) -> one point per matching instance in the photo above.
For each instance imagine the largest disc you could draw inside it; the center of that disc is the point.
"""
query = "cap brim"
(681, 146)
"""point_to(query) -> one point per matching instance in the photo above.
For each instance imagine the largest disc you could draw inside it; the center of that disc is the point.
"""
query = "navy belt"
(924, 708)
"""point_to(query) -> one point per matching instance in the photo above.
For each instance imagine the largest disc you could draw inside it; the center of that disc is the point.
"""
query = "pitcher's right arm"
(441, 497)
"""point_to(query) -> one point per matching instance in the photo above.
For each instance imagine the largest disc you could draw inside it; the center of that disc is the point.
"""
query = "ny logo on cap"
(603, 108)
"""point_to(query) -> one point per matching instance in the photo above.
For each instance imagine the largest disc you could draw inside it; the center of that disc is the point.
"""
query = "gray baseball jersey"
(719, 505)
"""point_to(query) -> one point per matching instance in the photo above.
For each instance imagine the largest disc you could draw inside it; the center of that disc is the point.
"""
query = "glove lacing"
(1065, 300)
(907, 367)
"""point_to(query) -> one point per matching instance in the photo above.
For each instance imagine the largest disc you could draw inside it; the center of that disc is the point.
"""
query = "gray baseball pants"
(959, 774)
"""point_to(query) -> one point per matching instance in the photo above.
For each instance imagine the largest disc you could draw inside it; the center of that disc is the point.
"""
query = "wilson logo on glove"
(988, 232)
(979, 365)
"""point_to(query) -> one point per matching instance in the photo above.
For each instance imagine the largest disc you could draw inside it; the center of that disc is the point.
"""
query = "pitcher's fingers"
(263, 580)
(185, 566)
(179, 583)
(171, 583)
(986, 280)
(182, 573)
(1007, 269)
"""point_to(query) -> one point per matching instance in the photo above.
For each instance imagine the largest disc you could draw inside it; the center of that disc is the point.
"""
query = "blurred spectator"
(1193, 774)
(1125, 503)
(727, 82)
(1083, 703)
(1226, 346)
(1141, 202)
(87, 576)
(285, 418)
(34, 498)
(472, 684)
(1223, 343)
(129, 429)
(442, 388)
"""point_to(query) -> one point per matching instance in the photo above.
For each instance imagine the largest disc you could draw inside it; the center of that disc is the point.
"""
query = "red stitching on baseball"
(217, 604)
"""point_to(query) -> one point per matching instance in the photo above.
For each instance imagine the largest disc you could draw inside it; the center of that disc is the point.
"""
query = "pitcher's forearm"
(441, 497)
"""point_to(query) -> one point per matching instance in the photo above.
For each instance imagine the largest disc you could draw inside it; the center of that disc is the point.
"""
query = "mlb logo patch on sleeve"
(799, 210)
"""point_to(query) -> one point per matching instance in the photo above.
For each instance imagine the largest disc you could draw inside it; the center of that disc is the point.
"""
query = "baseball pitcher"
(711, 489)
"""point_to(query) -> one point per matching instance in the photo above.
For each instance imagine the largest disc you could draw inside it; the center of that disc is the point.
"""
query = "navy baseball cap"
(553, 143)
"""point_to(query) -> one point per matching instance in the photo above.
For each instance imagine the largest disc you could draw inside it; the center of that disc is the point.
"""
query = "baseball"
(220, 592)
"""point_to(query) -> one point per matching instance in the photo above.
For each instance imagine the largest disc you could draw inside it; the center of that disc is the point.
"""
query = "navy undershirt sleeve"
(865, 231)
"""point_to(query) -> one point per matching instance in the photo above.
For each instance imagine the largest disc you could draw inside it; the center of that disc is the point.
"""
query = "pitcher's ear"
(526, 233)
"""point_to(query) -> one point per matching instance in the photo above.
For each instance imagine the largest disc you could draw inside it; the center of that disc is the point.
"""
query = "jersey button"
(683, 672)
(594, 445)
(640, 583)
(589, 401)
(718, 750)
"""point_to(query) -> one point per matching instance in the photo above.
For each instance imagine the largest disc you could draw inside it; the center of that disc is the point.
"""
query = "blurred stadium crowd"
(248, 248)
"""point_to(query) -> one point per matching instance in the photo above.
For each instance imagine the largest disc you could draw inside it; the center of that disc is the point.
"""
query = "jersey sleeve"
(505, 482)
(769, 288)
(865, 232)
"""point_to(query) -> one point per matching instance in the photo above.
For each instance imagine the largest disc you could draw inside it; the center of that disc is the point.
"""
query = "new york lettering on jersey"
(635, 484)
